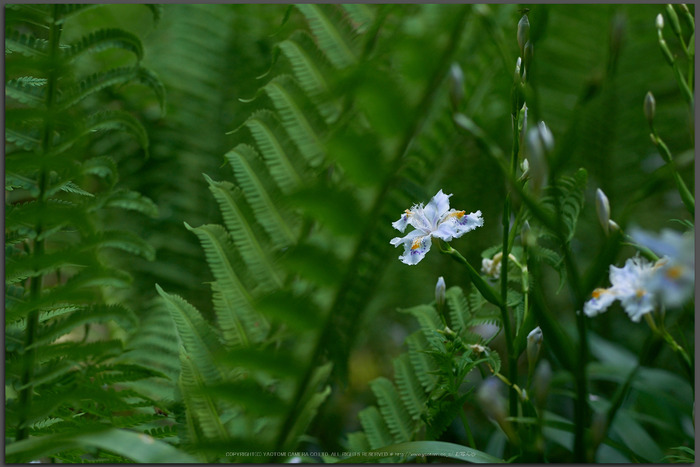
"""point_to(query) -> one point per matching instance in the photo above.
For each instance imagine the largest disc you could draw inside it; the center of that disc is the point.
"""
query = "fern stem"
(25, 396)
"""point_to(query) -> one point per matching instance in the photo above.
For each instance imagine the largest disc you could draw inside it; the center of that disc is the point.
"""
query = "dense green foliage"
(199, 204)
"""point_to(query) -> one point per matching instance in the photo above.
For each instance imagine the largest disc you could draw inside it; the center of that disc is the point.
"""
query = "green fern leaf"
(360, 14)
(103, 121)
(247, 236)
(260, 194)
(375, 428)
(428, 319)
(410, 389)
(276, 149)
(198, 338)
(458, 305)
(26, 44)
(104, 39)
(424, 365)
(310, 67)
(117, 76)
(298, 115)
(200, 405)
(332, 32)
(395, 415)
(238, 320)
(123, 199)
(26, 92)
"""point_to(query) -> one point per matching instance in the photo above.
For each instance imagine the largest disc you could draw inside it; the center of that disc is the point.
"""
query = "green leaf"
(239, 321)
(298, 116)
(332, 33)
(426, 448)
(412, 393)
(261, 194)
(137, 447)
(103, 39)
(26, 44)
(277, 149)
(249, 239)
(395, 415)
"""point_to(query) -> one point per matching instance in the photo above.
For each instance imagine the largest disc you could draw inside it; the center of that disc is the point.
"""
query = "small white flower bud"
(516, 75)
(649, 107)
(491, 400)
(534, 343)
(456, 85)
(546, 136)
(440, 292)
(613, 226)
(602, 207)
(659, 21)
(523, 31)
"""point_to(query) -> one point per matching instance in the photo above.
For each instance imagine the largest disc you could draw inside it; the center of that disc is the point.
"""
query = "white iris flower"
(674, 281)
(434, 220)
(630, 285)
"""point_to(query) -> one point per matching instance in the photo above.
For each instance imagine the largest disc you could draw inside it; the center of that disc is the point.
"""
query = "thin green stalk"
(26, 394)
(470, 437)
(505, 316)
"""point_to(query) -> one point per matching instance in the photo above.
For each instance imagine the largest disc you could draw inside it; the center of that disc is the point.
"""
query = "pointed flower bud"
(456, 85)
(659, 21)
(649, 107)
(516, 75)
(523, 32)
(534, 343)
(602, 207)
(673, 19)
(440, 292)
(546, 136)
(613, 226)
(491, 400)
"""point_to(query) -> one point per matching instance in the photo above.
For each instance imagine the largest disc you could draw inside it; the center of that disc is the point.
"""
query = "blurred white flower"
(492, 267)
(434, 220)
(674, 278)
(630, 285)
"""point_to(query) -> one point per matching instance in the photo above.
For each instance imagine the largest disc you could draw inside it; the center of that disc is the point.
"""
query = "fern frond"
(298, 115)
(276, 149)
(239, 322)
(104, 39)
(26, 92)
(333, 33)
(423, 364)
(28, 45)
(246, 235)
(412, 393)
(392, 409)
(375, 428)
(101, 80)
(199, 340)
(260, 193)
(200, 405)
(310, 68)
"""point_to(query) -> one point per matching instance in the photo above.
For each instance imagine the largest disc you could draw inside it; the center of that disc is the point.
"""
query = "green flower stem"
(468, 431)
(482, 286)
(686, 196)
(25, 395)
